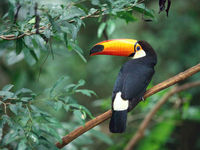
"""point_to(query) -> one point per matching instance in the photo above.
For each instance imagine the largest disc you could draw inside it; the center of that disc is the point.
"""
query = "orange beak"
(118, 47)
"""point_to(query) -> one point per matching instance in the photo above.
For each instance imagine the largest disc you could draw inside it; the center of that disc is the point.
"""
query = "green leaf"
(6, 119)
(73, 12)
(51, 131)
(13, 108)
(22, 145)
(95, 2)
(53, 122)
(28, 42)
(23, 90)
(47, 33)
(32, 21)
(10, 137)
(101, 29)
(39, 42)
(68, 87)
(127, 15)
(7, 87)
(19, 46)
(28, 56)
(54, 24)
(86, 92)
(66, 107)
(101, 136)
(33, 137)
(26, 99)
(75, 105)
(80, 83)
(142, 9)
(58, 83)
(32, 52)
(79, 116)
(78, 50)
(110, 27)
(23, 120)
(82, 108)
(6, 95)
(58, 105)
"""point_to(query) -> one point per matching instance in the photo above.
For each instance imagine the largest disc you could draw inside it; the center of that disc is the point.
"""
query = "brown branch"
(101, 118)
(140, 132)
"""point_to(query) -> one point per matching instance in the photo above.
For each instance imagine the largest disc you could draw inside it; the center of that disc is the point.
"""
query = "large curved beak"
(118, 47)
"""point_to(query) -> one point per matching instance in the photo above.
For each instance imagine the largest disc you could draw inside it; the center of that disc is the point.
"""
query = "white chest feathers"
(120, 104)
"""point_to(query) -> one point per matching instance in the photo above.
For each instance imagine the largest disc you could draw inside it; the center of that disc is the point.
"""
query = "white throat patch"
(139, 54)
(119, 103)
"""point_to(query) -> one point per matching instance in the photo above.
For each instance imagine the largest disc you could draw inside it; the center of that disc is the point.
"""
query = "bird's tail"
(118, 121)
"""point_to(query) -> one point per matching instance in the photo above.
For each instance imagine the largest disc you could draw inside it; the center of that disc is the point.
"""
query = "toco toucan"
(133, 78)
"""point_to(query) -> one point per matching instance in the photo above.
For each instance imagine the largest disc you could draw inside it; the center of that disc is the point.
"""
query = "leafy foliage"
(60, 33)
(28, 126)
(35, 30)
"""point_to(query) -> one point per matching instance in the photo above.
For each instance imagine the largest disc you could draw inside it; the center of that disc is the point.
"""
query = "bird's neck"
(148, 60)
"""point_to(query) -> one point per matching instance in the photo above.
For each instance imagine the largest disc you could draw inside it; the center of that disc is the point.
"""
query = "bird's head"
(123, 47)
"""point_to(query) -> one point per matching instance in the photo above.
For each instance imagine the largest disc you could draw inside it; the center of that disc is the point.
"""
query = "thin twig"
(5, 108)
(37, 19)
(101, 118)
(17, 12)
(5, 105)
(140, 132)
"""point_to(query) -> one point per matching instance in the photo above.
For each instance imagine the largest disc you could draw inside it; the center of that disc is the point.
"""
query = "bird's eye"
(137, 48)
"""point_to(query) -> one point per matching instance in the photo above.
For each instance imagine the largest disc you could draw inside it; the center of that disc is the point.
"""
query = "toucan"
(133, 78)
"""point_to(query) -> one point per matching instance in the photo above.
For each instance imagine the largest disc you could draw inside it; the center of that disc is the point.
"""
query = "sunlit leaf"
(110, 27)
(7, 87)
(32, 21)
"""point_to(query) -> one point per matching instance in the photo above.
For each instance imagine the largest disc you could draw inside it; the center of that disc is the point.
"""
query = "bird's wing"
(118, 84)
(136, 82)
(134, 86)
(132, 83)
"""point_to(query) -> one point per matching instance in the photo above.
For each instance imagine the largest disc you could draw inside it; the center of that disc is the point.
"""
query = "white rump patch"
(139, 54)
(119, 103)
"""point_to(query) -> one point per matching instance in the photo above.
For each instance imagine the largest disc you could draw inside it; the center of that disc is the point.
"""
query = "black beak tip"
(96, 48)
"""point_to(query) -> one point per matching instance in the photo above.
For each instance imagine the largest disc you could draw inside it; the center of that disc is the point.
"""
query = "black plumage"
(132, 81)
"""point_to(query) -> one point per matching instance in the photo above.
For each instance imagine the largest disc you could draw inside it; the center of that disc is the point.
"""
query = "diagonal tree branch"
(101, 118)
(140, 132)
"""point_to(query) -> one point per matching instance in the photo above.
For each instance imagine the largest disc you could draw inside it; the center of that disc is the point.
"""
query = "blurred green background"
(176, 40)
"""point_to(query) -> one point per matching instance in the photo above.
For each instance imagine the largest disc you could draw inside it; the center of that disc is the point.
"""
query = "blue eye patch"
(137, 48)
